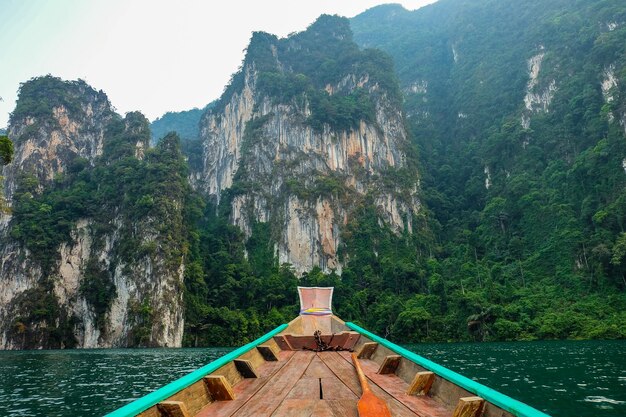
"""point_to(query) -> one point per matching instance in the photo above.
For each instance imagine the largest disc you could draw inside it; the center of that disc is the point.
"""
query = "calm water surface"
(560, 378)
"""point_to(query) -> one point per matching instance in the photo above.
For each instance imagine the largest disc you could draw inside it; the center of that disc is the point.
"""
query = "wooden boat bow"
(284, 373)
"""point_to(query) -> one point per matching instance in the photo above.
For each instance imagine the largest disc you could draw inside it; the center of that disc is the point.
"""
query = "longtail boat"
(304, 368)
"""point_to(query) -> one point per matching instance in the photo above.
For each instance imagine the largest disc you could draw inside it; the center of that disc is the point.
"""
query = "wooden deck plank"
(343, 408)
(323, 409)
(305, 388)
(268, 398)
(304, 399)
(246, 389)
(296, 407)
(316, 408)
(346, 373)
(334, 389)
(318, 369)
(397, 388)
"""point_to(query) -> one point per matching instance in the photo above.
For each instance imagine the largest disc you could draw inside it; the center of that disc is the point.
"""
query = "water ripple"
(561, 378)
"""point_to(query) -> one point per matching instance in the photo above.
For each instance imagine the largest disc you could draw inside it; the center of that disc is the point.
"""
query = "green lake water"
(560, 378)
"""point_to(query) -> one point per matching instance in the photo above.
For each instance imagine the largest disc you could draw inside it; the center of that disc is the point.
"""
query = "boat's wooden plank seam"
(334, 389)
(316, 408)
(268, 398)
(396, 388)
(318, 369)
(318, 393)
(246, 389)
(305, 388)
(346, 373)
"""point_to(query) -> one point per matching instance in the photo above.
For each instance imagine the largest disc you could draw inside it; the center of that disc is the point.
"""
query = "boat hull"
(304, 368)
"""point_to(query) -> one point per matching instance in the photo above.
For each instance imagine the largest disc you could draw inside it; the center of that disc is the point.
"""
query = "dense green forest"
(540, 251)
(186, 124)
(522, 231)
(121, 193)
(6, 156)
(535, 250)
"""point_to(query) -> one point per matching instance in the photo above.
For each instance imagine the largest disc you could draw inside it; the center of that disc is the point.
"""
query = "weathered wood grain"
(245, 368)
(421, 383)
(334, 389)
(296, 407)
(351, 341)
(396, 388)
(268, 352)
(312, 323)
(282, 342)
(173, 409)
(219, 388)
(390, 364)
(367, 350)
(269, 397)
(246, 389)
(318, 369)
(195, 397)
(469, 407)
(343, 407)
(305, 388)
(347, 374)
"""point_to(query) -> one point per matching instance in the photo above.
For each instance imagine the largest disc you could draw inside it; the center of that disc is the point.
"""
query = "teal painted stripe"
(143, 403)
(503, 401)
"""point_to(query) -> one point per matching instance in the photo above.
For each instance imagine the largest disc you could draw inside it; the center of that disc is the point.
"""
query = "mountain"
(519, 112)
(455, 172)
(309, 174)
(92, 248)
(309, 129)
(306, 149)
(186, 124)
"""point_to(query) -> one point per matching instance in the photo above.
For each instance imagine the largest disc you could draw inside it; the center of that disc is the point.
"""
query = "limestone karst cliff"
(308, 130)
(85, 260)
(304, 174)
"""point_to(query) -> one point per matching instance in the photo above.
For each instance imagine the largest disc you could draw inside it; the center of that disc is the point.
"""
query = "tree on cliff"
(6, 150)
(6, 156)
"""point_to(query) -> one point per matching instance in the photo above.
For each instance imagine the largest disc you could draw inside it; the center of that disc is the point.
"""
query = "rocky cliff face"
(266, 159)
(86, 292)
(51, 137)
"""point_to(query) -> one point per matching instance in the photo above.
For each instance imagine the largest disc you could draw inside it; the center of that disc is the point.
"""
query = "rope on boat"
(323, 346)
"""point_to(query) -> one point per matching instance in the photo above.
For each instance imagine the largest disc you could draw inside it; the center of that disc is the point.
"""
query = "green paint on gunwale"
(163, 393)
(505, 402)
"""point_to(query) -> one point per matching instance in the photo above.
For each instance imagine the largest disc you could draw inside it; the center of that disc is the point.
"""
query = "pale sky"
(149, 55)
